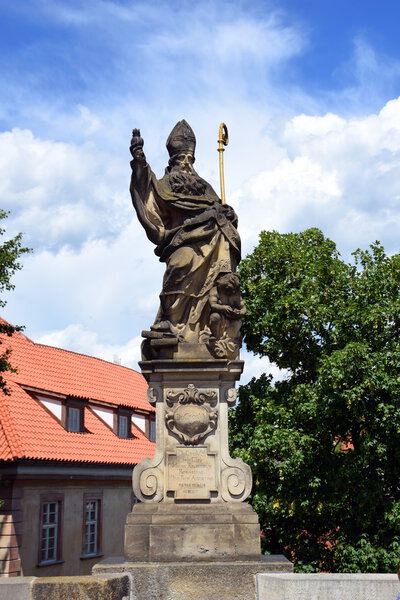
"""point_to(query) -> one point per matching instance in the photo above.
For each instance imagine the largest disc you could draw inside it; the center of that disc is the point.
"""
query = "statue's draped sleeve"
(145, 202)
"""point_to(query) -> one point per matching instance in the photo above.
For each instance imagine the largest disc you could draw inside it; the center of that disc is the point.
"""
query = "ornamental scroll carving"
(191, 414)
(236, 480)
(152, 395)
(231, 396)
(148, 480)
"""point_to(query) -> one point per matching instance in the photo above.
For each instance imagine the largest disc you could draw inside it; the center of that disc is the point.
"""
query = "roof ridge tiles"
(17, 331)
(97, 358)
(24, 337)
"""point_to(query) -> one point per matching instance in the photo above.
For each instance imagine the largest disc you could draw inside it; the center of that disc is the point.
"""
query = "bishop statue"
(197, 238)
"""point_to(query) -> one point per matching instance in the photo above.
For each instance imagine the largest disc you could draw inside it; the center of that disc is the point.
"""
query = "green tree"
(324, 442)
(10, 252)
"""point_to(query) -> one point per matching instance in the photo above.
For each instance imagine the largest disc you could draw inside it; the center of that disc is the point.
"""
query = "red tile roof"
(28, 430)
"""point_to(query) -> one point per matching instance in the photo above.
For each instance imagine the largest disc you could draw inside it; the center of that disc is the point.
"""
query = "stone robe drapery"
(196, 237)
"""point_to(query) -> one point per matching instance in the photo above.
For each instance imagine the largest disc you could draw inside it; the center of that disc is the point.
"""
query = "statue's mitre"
(181, 139)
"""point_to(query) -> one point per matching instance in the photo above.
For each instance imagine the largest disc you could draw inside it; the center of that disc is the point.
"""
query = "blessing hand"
(136, 147)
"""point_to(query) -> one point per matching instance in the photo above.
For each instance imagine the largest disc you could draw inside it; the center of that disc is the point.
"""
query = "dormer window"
(73, 415)
(73, 418)
(123, 424)
(151, 429)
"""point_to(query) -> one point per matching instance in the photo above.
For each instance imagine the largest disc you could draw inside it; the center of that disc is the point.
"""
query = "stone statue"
(196, 236)
(191, 491)
(227, 309)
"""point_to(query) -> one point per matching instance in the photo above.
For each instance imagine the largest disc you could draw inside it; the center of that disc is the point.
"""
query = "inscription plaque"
(191, 473)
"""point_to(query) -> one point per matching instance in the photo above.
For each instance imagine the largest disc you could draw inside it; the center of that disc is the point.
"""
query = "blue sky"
(333, 28)
(308, 88)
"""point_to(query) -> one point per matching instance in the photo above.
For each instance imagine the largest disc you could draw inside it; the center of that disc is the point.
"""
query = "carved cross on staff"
(223, 140)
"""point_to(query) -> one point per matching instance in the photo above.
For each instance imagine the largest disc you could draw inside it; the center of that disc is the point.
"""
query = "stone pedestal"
(192, 532)
(192, 536)
(192, 491)
(194, 580)
(192, 462)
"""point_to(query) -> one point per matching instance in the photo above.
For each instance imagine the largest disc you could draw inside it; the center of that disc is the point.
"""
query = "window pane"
(91, 535)
(152, 432)
(74, 417)
(49, 535)
(122, 426)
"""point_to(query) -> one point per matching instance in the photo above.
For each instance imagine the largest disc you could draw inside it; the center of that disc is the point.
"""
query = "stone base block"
(327, 586)
(17, 588)
(104, 586)
(193, 580)
(186, 532)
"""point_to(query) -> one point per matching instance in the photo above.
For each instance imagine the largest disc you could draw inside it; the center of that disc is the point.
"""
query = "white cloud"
(99, 12)
(107, 286)
(93, 122)
(369, 64)
(237, 38)
(342, 175)
(365, 79)
(60, 193)
(77, 338)
(254, 366)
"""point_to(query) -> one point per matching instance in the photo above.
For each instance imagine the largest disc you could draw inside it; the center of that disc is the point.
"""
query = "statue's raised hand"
(136, 148)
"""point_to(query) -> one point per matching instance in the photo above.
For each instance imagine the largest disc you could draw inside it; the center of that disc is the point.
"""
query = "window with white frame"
(50, 529)
(91, 526)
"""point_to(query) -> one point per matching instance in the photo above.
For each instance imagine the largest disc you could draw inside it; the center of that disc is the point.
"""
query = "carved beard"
(187, 183)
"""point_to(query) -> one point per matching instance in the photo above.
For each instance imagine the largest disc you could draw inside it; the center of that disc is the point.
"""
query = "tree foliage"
(10, 252)
(324, 442)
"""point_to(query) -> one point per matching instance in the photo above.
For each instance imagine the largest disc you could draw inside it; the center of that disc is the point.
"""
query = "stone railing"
(99, 587)
(327, 586)
(270, 586)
